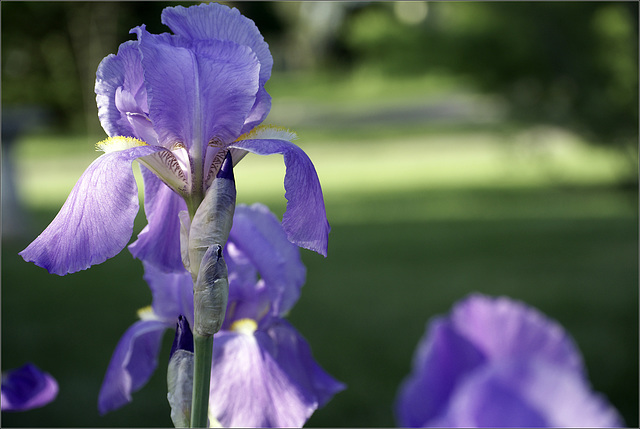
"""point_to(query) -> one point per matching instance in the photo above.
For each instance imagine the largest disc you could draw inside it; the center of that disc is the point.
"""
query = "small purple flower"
(263, 372)
(495, 362)
(26, 388)
(178, 103)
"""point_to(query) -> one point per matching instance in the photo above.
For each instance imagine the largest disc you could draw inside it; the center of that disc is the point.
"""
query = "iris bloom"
(495, 362)
(177, 103)
(263, 372)
(26, 388)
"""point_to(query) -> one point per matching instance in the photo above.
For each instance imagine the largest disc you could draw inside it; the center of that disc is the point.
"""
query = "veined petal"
(134, 360)
(120, 77)
(305, 220)
(96, 220)
(219, 22)
(251, 388)
(257, 233)
(199, 93)
(159, 242)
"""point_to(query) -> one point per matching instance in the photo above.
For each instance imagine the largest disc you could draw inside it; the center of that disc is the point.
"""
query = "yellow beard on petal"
(269, 132)
(244, 326)
(118, 143)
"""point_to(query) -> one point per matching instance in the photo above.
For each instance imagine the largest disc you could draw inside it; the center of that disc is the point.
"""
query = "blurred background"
(462, 147)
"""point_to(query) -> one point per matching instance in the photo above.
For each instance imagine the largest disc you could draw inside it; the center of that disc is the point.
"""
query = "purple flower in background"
(263, 372)
(178, 103)
(495, 362)
(26, 388)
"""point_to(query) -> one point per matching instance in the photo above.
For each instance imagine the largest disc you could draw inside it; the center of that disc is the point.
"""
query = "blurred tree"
(569, 63)
(51, 50)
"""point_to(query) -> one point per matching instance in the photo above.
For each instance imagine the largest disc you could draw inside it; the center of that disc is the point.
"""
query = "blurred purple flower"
(26, 388)
(263, 372)
(495, 362)
(178, 103)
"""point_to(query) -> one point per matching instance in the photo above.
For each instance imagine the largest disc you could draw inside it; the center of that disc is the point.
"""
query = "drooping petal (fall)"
(305, 220)
(26, 388)
(159, 241)
(294, 354)
(255, 388)
(134, 360)
(96, 221)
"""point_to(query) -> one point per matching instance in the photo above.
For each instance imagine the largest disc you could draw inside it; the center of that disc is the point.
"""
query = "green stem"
(203, 353)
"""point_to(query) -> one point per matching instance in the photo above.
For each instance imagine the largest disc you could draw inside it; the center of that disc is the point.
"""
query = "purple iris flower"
(178, 103)
(263, 371)
(26, 388)
(495, 362)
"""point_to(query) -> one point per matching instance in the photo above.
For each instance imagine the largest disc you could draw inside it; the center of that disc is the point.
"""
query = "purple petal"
(172, 293)
(442, 359)
(199, 93)
(119, 81)
(250, 388)
(159, 242)
(531, 393)
(26, 388)
(305, 220)
(184, 337)
(218, 22)
(257, 233)
(506, 329)
(134, 360)
(259, 111)
(497, 362)
(294, 355)
(96, 221)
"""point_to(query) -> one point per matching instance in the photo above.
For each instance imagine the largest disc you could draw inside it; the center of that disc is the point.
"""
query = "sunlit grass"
(48, 167)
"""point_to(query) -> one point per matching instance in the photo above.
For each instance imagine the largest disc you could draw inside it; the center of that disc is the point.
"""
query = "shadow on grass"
(394, 262)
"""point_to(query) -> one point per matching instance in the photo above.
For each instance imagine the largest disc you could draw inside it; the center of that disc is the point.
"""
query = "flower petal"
(172, 293)
(532, 393)
(198, 93)
(120, 83)
(96, 221)
(259, 111)
(219, 22)
(257, 233)
(441, 360)
(506, 329)
(293, 354)
(26, 388)
(305, 220)
(250, 388)
(159, 242)
(134, 360)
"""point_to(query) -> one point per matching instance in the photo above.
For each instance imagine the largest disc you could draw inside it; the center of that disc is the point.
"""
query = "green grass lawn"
(422, 214)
